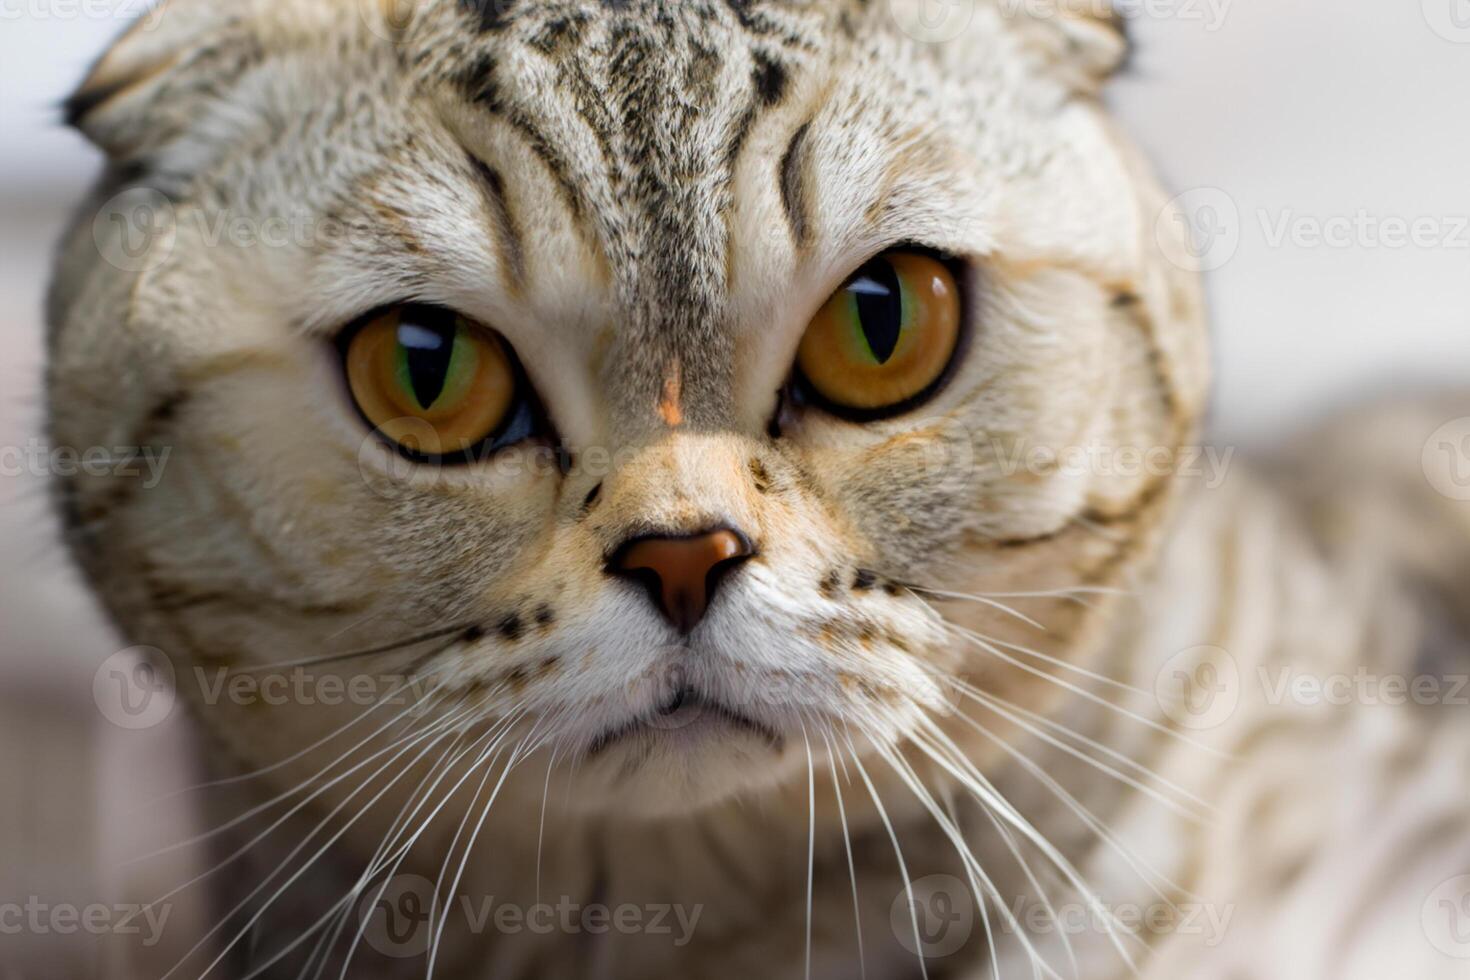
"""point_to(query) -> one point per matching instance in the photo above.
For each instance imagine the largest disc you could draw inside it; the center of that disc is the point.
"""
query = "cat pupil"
(427, 339)
(879, 299)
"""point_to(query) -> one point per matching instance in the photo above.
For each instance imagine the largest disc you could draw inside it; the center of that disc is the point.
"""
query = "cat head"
(751, 334)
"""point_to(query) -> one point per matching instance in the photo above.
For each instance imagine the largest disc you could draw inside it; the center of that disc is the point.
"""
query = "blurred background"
(1321, 152)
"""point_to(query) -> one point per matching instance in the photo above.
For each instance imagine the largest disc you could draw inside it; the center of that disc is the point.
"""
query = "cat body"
(949, 664)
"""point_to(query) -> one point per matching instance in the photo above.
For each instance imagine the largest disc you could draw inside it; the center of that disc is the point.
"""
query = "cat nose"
(681, 573)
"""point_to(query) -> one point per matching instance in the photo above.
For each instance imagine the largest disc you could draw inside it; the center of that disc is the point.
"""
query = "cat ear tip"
(75, 108)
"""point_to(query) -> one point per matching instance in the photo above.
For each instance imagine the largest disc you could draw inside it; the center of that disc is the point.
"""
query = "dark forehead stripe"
(668, 93)
(560, 33)
(478, 83)
(793, 186)
(673, 251)
(507, 232)
(493, 14)
(769, 78)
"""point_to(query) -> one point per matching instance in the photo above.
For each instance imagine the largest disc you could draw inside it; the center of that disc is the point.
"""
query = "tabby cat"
(744, 450)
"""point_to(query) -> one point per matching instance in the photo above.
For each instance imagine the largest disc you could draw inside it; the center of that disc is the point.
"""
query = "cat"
(746, 454)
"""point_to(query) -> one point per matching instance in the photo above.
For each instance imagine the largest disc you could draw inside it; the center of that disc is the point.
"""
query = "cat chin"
(656, 775)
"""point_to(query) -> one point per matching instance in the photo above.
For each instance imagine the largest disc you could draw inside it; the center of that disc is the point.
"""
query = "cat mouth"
(686, 714)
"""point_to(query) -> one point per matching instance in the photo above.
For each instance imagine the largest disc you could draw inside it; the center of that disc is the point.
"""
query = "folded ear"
(1084, 42)
(149, 85)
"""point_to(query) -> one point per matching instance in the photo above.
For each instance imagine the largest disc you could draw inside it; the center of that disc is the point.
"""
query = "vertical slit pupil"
(879, 298)
(427, 339)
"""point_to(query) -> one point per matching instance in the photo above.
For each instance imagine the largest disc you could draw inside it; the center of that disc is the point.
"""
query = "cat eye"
(435, 383)
(883, 341)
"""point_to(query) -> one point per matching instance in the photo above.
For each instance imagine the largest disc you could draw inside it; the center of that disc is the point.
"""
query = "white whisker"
(953, 761)
(897, 851)
(981, 885)
(811, 843)
(245, 929)
(857, 915)
(1087, 695)
(998, 707)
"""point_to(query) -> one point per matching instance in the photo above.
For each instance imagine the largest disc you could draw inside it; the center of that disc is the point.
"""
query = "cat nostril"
(681, 573)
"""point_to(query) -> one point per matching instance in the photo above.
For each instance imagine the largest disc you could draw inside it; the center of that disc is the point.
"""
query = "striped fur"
(649, 199)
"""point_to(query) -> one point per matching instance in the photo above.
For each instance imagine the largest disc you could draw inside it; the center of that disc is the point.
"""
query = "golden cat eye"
(434, 382)
(885, 339)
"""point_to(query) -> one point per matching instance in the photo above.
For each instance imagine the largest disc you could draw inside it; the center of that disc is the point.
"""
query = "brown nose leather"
(681, 573)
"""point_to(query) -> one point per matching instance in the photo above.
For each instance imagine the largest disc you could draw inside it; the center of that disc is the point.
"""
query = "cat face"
(687, 497)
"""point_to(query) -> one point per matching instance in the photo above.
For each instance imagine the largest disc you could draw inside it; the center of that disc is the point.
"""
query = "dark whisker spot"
(760, 476)
(511, 627)
(831, 584)
(545, 616)
(864, 580)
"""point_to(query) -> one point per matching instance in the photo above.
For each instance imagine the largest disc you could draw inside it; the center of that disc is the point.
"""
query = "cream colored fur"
(640, 242)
